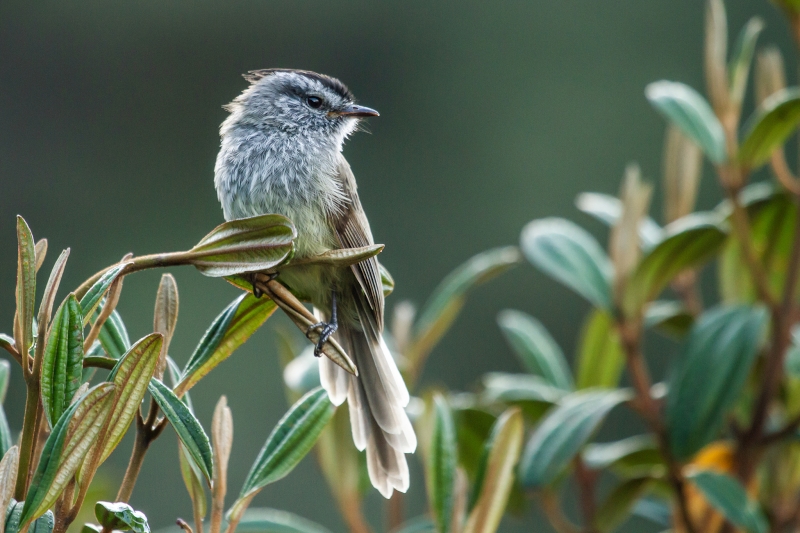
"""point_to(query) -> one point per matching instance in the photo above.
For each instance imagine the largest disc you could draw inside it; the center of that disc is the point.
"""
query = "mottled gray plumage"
(281, 153)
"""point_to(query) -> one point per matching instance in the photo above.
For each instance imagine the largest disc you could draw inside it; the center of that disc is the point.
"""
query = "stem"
(395, 511)
(351, 512)
(773, 371)
(12, 349)
(552, 510)
(146, 432)
(26, 442)
(108, 308)
(650, 410)
(136, 264)
(586, 483)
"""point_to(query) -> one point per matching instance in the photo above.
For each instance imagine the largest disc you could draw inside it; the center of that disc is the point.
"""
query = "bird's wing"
(352, 230)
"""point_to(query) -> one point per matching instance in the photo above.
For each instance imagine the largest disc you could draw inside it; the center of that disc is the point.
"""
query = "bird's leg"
(327, 328)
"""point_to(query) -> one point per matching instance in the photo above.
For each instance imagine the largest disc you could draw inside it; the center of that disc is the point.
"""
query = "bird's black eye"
(314, 101)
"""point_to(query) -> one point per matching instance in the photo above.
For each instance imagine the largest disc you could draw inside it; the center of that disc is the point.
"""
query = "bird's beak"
(358, 111)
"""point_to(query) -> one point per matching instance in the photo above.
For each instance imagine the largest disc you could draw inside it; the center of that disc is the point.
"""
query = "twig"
(650, 410)
(552, 510)
(12, 349)
(586, 484)
(395, 511)
(183, 525)
(783, 172)
(146, 432)
(786, 431)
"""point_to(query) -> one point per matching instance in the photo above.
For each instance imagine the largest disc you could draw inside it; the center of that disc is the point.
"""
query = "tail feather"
(376, 400)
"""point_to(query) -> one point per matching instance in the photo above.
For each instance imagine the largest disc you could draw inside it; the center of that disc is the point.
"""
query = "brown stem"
(27, 439)
(552, 510)
(773, 370)
(184, 526)
(63, 507)
(782, 171)
(395, 511)
(351, 512)
(650, 410)
(586, 484)
(146, 432)
(12, 349)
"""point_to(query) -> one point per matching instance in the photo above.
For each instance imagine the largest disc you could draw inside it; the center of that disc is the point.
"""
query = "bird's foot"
(326, 330)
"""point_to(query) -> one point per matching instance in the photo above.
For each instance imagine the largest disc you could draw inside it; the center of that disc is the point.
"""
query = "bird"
(281, 152)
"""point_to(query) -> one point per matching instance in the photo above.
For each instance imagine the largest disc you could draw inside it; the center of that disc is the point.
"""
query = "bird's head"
(298, 101)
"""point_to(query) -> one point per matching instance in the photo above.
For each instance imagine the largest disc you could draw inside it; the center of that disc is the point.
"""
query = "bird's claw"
(327, 329)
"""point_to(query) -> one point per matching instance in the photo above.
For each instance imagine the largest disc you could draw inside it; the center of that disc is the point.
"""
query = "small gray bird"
(281, 152)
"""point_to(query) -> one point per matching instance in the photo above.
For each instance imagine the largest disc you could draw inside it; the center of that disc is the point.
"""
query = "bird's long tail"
(376, 399)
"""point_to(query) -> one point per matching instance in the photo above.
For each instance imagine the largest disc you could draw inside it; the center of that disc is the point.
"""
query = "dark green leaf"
(62, 365)
(289, 442)
(274, 521)
(121, 516)
(65, 448)
(709, 377)
(473, 427)
(448, 298)
(770, 125)
(689, 242)
(600, 357)
(228, 331)
(441, 468)
(186, 426)
(567, 253)
(92, 298)
(44, 524)
(244, 245)
(608, 209)
(26, 285)
(617, 506)
(535, 347)
(636, 456)
(563, 433)
(193, 479)
(690, 112)
(728, 496)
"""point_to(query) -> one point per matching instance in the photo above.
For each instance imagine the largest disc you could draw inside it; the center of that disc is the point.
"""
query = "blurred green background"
(492, 114)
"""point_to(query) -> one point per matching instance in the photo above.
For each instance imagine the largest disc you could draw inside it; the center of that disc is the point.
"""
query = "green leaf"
(62, 364)
(742, 57)
(340, 257)
(567, 253)
(387, 281)
(728, 496)
(769, 126)
(5, 372)
(441, 468)
(266, 520)
(244, 245)
(636, 456)
(684, 107)
(608, 209)
(496, 475)
(131, 376)
(228, 331)
(13, 514)
(536, 349)
(600, 358)
(121, 516)
(504, 387)
(289, 442)
(65, 448)
(689, 242)
(26, 285)
(91, 300)
(617, 506)
(186, 426)
(449, 297)
(473, 427)
(192, 478)
(560, 436)
(709, 376)
(670, 317)
(114, 336)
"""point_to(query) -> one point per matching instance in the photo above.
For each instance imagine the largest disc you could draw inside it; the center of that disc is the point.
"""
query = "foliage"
(718, 448)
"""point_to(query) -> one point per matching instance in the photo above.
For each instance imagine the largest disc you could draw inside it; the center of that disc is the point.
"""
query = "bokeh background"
(492, 114)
